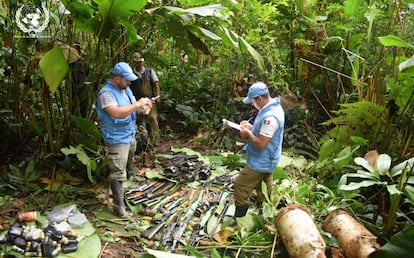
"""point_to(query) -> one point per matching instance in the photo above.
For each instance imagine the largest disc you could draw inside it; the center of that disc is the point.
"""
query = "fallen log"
(299, 233)
(353, 238)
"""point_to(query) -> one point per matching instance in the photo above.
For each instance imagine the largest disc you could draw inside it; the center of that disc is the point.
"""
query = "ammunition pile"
(181, 215)
(31, 241)
(30, 238)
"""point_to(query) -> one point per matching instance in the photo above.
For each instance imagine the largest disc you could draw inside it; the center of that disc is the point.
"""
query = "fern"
(358, 113)
(363, 119)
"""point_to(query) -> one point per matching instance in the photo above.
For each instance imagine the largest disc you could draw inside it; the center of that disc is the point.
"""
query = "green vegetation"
(344, 70)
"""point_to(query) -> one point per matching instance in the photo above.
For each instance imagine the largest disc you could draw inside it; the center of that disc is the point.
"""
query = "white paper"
(231, 124)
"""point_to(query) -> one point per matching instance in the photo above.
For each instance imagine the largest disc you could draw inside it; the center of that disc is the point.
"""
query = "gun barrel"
(151, 232)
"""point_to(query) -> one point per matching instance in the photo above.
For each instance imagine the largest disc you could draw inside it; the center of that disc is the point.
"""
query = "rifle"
(151, 232)
(189, 215)
(207, 209)
(160, 206)
(141, 188)
(175, 220)
(145, 196)
(222, 213)
(135, 193)
(171, 226)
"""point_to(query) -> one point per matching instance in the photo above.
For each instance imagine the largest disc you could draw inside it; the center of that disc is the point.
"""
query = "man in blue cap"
(116, 107)
(263, 149)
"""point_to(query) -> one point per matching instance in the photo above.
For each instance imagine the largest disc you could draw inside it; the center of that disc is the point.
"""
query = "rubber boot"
(132, 174)
(240, 211)
(118, 196)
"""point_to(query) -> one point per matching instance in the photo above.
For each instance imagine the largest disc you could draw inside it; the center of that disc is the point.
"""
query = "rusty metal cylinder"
(299, 233)
(28, 216)
(353, 238)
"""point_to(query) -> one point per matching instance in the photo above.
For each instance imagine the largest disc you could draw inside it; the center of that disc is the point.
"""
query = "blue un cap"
(256, 90)
(123, 69)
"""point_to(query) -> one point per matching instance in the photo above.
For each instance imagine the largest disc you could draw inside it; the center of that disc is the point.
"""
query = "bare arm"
(157, 91)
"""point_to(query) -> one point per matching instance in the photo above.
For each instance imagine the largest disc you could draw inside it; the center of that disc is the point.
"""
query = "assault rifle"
(180, 231)
(170, 228)
(139, 189)
(152, 193)
(151, 232)
(222, 212)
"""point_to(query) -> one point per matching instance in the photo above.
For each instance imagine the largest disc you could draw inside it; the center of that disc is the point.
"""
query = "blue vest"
(265, 161)
(117, 131)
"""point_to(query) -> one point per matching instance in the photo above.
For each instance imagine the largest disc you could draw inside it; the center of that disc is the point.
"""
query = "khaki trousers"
(153, 122)
(246, 181)
(119, 158)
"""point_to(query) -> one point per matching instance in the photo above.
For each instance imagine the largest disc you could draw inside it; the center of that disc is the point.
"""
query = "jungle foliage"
(344, 68)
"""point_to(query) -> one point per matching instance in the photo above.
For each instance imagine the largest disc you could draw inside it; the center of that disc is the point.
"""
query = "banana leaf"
(400, 245)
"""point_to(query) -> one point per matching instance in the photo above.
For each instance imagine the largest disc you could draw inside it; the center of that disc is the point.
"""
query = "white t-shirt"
(269, 124)
(106, 99)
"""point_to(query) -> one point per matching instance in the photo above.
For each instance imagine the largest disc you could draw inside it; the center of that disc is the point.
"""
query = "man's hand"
(246, 124)
(143, 102)
(245, 133)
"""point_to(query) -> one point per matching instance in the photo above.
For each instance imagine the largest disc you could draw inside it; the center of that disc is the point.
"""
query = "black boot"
(118, 196)
(240, 211)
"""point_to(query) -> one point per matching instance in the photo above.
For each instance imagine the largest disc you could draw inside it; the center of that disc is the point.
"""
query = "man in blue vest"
(116, 107)
(263, 148)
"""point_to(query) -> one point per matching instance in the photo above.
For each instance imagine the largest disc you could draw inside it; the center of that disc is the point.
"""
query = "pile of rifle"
(181, 215)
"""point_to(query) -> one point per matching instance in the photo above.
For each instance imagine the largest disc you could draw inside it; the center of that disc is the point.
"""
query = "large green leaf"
(351, 8)
(204, 11)
(400, 245)
(78, 10)
(203, 33)
(86, 126)
(229, 38)
(409, 192)
(280, 173)
(363, 174)
(343, 158)
(364, 163)
(394, 41)
(119, 8)
(392, 189)
(83, 158)
(89, 247)
(258, 57)
(406, 64)
(355, 186)
(131, 31)
(54, 68)
(209, 10)
(383, 163)
(325, 151)
(398, 169)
